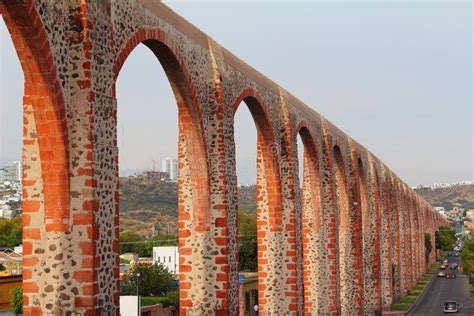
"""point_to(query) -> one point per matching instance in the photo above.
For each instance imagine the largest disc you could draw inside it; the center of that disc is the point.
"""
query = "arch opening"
(190, 173)
(267, 191)
(245, 140)
(311, 210)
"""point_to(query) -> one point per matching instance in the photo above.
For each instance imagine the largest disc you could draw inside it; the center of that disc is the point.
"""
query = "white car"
(451, 307)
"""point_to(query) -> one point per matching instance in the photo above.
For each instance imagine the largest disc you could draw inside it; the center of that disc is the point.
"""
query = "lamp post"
(138, 293)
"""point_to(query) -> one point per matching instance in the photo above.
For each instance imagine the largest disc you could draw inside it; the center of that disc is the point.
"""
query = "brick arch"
(377, 228)
(417, 234)
(312, 219)
(343, 229)
(387, 247)
(189, 112)
(268, 191)
(268, 152)
(395, 234)
(193, 165)
(44, 131)
(43, 99)
(365, 231)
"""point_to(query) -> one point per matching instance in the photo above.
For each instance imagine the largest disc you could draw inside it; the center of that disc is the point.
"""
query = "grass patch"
(408, 299)
(419, 287)
(414, 292)
(400, 307)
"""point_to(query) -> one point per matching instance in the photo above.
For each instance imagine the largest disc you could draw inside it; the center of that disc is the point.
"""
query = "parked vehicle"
(441, 274)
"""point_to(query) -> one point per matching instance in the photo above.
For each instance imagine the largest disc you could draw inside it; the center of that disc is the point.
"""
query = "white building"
(168, 257)
(171, 167)
(12, 172)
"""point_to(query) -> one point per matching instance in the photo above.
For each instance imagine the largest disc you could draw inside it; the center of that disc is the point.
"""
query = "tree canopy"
(248, 241)
(11, 232)
(132, 242)
(155, 280)
(445, 238)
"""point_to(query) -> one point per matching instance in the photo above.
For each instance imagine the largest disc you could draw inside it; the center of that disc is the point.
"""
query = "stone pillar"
(386, 244)
(372, 242)
(329, 288)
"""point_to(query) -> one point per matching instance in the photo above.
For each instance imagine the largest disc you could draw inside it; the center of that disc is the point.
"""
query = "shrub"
(171, 299)
(16, 302)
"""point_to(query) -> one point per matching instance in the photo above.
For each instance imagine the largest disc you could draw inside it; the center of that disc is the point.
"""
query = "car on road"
(454, 266)
(451, 307)
(450, 276)
(443, 266)
(441, 274)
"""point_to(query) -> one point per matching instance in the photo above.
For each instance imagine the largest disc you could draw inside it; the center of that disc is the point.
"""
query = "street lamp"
(138, 293)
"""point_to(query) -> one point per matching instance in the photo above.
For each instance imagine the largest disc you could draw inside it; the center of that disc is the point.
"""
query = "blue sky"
(396, 76)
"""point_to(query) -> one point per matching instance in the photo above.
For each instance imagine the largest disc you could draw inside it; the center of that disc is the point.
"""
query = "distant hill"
(147, 202)
(446, 197)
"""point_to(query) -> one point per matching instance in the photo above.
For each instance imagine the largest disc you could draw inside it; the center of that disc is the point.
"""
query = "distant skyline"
(396, 76)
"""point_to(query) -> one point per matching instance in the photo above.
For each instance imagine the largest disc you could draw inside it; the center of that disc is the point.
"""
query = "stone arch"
(268, 152)
(387, 247)
(192, 138)
(343, 230)
(395, 236)
(377, 240)
(363, 196)
(268, 194)
(45, 152)
(312, 220)
(194, 202)
(366, 237)
(44, 110)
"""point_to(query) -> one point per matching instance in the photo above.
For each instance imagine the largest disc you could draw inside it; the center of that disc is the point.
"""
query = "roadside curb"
(420, 297)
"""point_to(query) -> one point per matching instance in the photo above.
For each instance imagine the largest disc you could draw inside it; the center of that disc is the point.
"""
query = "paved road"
(442, 290)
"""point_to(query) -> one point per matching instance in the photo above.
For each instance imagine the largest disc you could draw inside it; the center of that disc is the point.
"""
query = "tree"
(16, 301)
(11, 232)
(130, 242)
(428, 246)
(445, 238)
(155, 280)
(248, 241)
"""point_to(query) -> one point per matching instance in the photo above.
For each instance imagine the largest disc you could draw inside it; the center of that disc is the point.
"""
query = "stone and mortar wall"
(72, 52)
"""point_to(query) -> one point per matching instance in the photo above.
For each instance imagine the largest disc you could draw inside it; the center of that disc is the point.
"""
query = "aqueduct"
(349, 242)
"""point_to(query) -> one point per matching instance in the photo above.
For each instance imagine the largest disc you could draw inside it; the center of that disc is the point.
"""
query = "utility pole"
(138, 293)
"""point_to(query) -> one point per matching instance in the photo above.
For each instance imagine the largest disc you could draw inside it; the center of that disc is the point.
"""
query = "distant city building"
(12, 172)
(470, 215)
(469, 225)
(171, 167)
(439, 185)
(129, 256)
(168, 257)
(441, 210)
(157, 175)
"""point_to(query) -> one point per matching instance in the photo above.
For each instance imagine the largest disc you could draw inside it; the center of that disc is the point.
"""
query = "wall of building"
(352, 210)
(7, 284)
